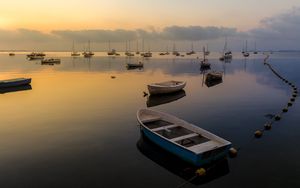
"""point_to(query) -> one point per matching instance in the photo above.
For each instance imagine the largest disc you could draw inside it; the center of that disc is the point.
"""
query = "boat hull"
(188, 156)
(20, 82)
(156, 89)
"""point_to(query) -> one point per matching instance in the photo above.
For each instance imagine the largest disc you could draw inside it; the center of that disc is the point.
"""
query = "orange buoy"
(232, 152)
(258, 133)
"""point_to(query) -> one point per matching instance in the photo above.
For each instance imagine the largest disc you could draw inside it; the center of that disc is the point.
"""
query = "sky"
(54, 24)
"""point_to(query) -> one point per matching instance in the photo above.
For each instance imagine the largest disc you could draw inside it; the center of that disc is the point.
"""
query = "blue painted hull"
(15, 83)
(186, 155)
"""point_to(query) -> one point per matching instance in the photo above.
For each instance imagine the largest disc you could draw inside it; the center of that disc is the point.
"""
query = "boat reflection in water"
(155, 100)
(179, 167)
(15, 89)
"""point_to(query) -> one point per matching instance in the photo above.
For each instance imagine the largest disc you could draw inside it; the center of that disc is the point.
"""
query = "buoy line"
(258, 133)
(278, 116)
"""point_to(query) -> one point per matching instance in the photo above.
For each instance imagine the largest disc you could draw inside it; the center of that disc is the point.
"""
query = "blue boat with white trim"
(189, 142)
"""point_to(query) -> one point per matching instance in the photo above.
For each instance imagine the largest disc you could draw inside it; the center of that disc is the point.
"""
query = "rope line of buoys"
(277, 117)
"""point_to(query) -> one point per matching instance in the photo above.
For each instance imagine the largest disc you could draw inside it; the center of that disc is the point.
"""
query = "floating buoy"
(112, 77)
(277, 117)
(286, 81)
(294, 95)
(258, 134)
(290, 104)
(290, 83)
(201, 172)
(292, 99)
(232, 152)
(285, 109)
(268, 126)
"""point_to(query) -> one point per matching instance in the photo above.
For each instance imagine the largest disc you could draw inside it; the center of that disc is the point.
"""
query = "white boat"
(50, 61)
(14, 82)
(166, 87)
(111, 51)
(35, 57)
(187, 141)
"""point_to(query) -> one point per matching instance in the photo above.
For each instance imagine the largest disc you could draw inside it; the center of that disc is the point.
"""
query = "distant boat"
(175, 52)
(166, 87)
(155, 100)
(50, 61)
(204, 63)
(227, 54)
(14, 82)
(74, 53)
(189, 142)
(127, 50)
(11, 54)
(211, 82)
(246, 53)
(36, 55)
(111, 51)
(135, 65)
(88, 53)
(255, 51)
(192, 50)
(207, 52)
(137, 48)
(212, 76)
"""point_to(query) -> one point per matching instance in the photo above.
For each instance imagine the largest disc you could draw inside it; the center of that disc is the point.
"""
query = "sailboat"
(88, 53)
(111, 51)
(207, 52)
(246, 54)
(127, 52)
(74, 53)
(204, 63)
(175, 52)
(192, 50)
(255, 51)
(137, 47)
(227, 54)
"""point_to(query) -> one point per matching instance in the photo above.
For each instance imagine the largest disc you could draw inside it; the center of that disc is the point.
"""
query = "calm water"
(76, 126)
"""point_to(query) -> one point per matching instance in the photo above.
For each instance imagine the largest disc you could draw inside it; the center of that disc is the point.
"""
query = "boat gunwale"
(223, 141)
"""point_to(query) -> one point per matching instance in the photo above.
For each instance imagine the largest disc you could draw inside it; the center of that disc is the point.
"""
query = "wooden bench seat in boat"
(204, 146)
(164, 127)
(183, 137)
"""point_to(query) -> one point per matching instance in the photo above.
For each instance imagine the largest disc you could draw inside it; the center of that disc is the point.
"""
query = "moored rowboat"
(189, 142)
(14, 82)
(166, 87)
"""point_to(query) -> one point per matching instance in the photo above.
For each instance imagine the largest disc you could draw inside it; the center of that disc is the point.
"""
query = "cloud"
(24, 35)
(285, 26)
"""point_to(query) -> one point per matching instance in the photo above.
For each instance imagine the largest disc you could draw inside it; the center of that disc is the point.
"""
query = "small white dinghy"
(187, 141)
(14, 82)
(166, 87)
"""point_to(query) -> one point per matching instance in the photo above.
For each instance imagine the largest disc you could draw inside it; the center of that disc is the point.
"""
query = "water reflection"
(179, 167)
(155, 100)
(15, 89)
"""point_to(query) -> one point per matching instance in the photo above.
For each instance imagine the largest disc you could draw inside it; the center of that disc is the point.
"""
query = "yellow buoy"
(258, 134)
(201, 172)
(232, 152)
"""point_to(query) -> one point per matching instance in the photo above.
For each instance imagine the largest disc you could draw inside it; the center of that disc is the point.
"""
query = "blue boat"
(14, 82)
(189, 142)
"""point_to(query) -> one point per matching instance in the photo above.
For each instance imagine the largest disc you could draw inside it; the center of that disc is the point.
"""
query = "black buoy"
(258, 133)
(277, 117)
(290, 83)
(292, 99)
(268, 126)
(112, 77)
(285, 109)
(286, 81)
(290, 104)
(294, 95)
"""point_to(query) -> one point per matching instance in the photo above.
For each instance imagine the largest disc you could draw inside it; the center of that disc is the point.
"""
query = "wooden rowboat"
(189, 142)
(14, 82)
(166, 87)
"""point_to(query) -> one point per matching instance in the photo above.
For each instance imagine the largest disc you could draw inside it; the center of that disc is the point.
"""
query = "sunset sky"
(42, 22)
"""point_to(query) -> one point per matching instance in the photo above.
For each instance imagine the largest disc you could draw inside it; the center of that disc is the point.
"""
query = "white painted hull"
(166, 87)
